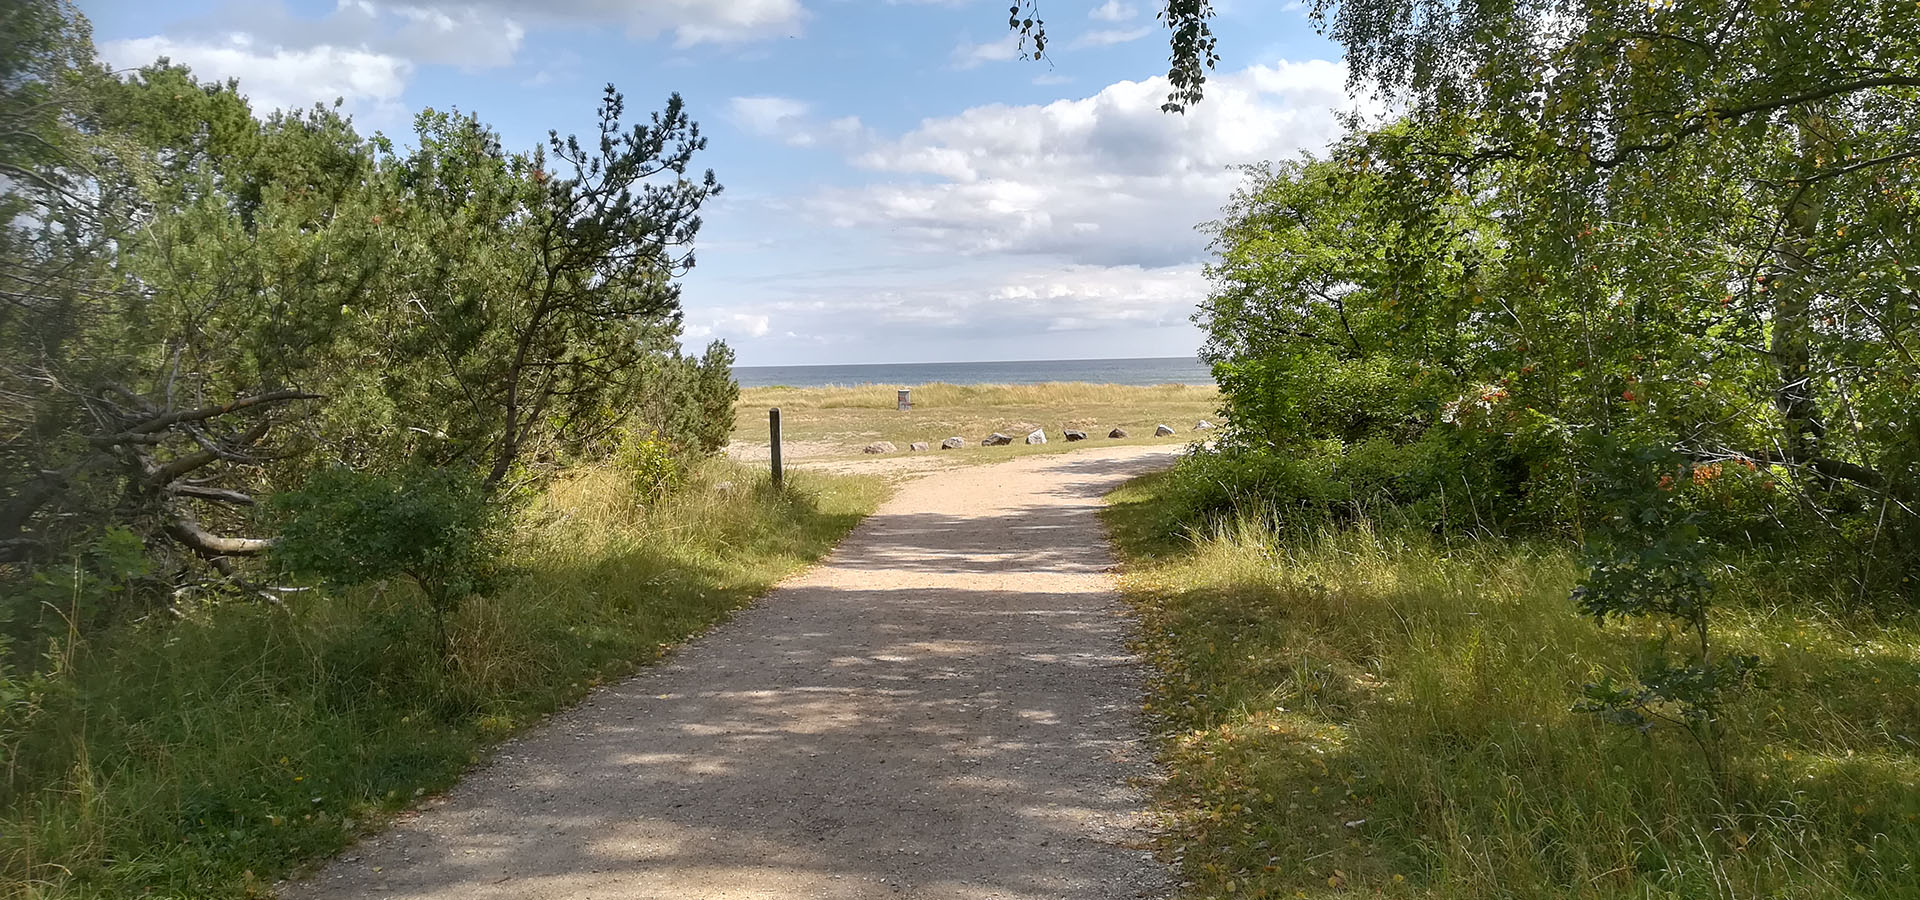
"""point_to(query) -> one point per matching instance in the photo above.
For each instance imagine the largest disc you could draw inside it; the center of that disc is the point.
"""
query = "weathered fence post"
(773, 428)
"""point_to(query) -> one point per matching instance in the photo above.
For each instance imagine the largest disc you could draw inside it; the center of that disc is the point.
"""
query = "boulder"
(1037, 437)
(1203, 425)
(917, 446)
(1162, 430)
(1117, 433)
(1073, 435)
(880, 447)
(996, 439)
(953, 443)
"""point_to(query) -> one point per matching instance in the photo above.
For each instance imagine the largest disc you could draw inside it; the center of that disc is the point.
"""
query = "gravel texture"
(945, 708)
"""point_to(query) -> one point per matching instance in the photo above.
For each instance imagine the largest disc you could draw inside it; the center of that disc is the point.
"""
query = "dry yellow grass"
(837, 422)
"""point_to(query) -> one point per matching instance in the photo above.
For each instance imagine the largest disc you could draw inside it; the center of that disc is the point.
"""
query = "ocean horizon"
(1132, 371)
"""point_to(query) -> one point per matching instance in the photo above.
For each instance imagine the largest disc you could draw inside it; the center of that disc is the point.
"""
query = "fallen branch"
(218, 495)
(213, 546)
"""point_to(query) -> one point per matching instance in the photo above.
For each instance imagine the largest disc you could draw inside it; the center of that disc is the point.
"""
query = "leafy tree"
(200, 308)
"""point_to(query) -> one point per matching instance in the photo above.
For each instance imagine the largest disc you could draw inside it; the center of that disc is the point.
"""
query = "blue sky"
(900, 188)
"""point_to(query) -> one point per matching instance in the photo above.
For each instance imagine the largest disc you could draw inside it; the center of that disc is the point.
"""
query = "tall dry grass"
(1360, 713)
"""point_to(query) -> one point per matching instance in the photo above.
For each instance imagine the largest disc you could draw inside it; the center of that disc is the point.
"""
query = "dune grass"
(1362, 714)
(839, 421)
(207, 757)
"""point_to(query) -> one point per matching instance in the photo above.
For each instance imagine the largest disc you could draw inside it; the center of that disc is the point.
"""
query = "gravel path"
(943, 709)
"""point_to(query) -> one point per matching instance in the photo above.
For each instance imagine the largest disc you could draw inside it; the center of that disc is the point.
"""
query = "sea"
(1151, 370)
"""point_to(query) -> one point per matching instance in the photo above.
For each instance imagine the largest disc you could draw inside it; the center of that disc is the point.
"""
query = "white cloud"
(1113, 11)
(766, 116)
(728, 325)
(277, 77)
(365, 50)
(1028, 311)
(1107, 179)
(791, 122)
(970, 55)
(1107, 37)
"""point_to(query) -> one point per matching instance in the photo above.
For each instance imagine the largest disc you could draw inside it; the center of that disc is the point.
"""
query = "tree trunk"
(1792, 291)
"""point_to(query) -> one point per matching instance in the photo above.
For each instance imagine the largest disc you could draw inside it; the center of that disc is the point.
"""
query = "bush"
(437, 528)
(650, 465)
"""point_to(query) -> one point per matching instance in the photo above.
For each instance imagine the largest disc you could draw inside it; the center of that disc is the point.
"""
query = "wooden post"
(773, 428)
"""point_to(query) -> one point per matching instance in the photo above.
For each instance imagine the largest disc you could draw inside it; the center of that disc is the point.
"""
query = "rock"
(1037, 437)
(996, 439)
(1117, 433)
(880, 447)
(917, 446)
(1203, 425)
(1073, 435)
(953, 443)
(1162, 430)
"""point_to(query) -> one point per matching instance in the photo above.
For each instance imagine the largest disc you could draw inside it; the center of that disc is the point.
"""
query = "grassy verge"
(206, 757)
(1366, 714)
(836, 422)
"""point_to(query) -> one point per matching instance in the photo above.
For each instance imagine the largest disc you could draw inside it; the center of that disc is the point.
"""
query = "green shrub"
(437, 528)
(651, 465)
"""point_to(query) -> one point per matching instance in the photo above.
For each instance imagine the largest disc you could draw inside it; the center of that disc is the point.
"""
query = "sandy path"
(943, 709)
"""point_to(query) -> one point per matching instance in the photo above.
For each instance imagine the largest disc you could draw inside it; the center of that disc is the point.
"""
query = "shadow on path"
(945, 708)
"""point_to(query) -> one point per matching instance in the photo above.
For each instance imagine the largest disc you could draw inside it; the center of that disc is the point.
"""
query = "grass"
(1359, 713)
(839, 421)
(204, 758)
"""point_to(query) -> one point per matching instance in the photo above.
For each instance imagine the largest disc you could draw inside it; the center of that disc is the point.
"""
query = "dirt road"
(942, 709)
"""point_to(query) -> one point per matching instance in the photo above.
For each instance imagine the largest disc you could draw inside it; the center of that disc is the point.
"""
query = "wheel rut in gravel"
(944, 708)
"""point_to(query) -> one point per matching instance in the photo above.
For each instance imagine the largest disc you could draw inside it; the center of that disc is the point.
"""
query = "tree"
(525, 298)
(200, 309)
(1705, 240)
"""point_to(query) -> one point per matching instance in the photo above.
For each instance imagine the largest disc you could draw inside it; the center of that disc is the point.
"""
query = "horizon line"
(959, 362)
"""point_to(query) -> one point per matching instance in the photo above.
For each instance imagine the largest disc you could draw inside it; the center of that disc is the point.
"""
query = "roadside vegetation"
(837, 422)
(1563, 539)
(328, 460)
(1361, 709)
(208, 755)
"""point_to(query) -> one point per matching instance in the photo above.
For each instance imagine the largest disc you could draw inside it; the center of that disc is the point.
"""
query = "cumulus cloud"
(277, 77)
(1104, 180)
(1030, 310)
(690, 22)
(365, 50)
(1113, 11)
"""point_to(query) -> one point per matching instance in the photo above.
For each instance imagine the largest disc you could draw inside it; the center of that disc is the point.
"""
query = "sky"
(899, 187)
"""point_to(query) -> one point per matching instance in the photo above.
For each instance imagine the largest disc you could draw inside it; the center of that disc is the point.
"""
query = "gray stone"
(880, 447)
(996, 439)
(1117, 433)
(1073, 435)
(917, 446)
(1203, 425)
(1162, 430)
(1037, 437)
(953, 443)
